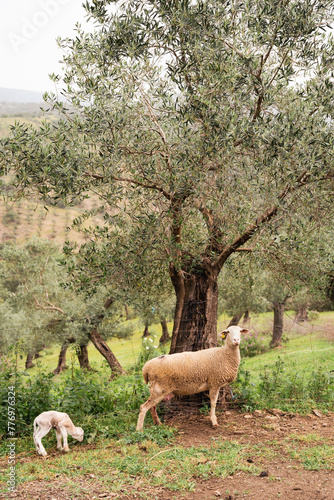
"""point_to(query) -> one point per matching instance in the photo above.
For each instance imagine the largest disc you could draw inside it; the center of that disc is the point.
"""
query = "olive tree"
(199, 124)
(38, 309)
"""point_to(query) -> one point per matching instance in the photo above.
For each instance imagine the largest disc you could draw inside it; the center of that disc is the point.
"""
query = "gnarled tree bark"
(61, 359)
(146, 333)
(235, 320)
(29, 363)
(302, 314)
(106, 352)
(82, 354)
(165, 334)
(279, 308)
(195, 327)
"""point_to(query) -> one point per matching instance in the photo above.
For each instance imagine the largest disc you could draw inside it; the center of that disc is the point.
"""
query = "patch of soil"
(280, 478)
(286, 479)
(195, 430)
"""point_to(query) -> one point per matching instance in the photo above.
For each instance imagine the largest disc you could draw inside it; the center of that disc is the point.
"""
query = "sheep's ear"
(244, 330)
(224, 334)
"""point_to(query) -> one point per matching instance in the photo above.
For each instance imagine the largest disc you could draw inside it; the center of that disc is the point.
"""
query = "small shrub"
(321, 386)
(312, 316)
(32, 397)
(148, 351)
(252, 344)
(10, 217)
(289, 389)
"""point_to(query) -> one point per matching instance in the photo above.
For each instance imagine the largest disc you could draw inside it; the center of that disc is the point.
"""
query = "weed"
(288, 387)
(253, 344)
(148, 351)
(315, 458)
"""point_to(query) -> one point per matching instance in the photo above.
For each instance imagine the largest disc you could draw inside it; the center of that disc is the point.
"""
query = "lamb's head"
(232, 335)
(78, 433)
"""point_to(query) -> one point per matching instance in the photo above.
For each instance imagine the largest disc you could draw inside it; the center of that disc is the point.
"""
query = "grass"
(6, 122)
(126, 351)
(115, 458)
(302, 350)
(117, 465)
(304, 354)
(120, 467)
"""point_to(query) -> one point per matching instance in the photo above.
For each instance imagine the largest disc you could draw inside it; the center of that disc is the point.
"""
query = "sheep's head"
(232, 335)
(78, 433)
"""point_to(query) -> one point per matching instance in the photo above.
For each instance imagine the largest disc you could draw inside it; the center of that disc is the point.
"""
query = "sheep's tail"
(145, 375)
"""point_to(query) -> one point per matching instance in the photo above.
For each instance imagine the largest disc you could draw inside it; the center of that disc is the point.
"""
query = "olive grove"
(202, 126)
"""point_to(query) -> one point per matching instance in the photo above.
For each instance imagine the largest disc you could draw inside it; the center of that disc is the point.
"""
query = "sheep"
(63, 425)
(188, 373)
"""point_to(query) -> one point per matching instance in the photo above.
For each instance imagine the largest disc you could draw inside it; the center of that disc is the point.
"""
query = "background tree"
(241, 288)
(301, 303)
(198, 124)
(38, 311)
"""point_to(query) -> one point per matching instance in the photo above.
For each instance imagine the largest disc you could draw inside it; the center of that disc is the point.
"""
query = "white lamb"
(192, 372)
(63, 425)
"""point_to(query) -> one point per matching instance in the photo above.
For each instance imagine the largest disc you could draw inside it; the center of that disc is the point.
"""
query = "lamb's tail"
(35, 426)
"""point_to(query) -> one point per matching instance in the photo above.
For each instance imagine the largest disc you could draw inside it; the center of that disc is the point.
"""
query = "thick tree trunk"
(302, 314)
(29, 363)
(246, 317)
(279, 308)
(83, 358)
(195, 321)
(165, 334)
(235, 320)
(127, 315)
(61, 359)
(104, 349)
(146, 333)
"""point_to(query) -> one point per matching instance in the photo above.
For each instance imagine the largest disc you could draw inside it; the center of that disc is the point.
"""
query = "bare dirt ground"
(280, 476)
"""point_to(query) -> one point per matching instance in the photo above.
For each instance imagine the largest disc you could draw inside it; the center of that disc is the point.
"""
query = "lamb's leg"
(213, 399)
(42, 432)
(64, 434)
(59, 436)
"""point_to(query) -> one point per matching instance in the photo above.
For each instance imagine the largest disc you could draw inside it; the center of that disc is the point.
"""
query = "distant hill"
(21, 220)
(14, 102)
(20, 96)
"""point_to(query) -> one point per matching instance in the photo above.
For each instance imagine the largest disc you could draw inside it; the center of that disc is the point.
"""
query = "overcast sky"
(28, 48)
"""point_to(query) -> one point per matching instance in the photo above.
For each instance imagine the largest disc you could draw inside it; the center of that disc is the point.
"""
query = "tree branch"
(158, 130)
(38, 305)
(132, 181)
(265, 217)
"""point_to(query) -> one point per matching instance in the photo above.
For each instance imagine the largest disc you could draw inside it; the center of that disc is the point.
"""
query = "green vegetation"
(121, 458)
(22, 220)
(205, 129)
(191, 153)
(298, 377)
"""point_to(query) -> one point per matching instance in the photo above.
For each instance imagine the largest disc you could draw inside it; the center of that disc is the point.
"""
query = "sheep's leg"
(42, 432)
(59, 436)
(64, 435)
(154, 414)
(150, 403)
(213, 399)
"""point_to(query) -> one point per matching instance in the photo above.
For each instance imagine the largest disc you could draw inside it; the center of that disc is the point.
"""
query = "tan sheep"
(63, 425)
(188, 373)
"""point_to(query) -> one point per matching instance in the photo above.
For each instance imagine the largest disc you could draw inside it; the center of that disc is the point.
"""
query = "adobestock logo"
(38, 20)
